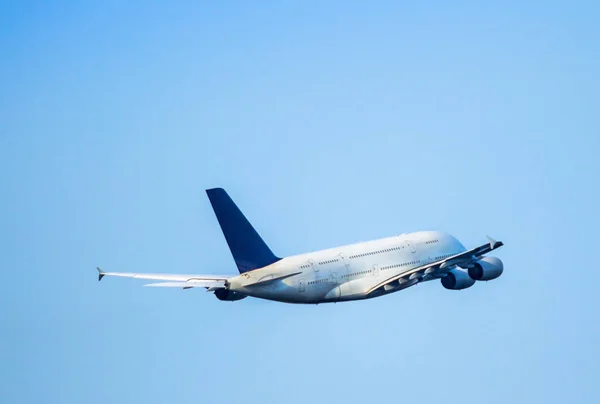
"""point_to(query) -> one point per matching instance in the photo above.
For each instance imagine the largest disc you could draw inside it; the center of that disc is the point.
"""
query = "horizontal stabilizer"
(173, 280)
(189, 284)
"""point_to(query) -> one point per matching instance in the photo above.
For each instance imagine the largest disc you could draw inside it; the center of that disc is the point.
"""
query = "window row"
(402, 265)
(328, 262)
(376, 252)
(432, 241)
(318, 281)
(357, 273)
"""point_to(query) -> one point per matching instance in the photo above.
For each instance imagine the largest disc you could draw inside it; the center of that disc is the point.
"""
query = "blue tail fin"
(248, 249)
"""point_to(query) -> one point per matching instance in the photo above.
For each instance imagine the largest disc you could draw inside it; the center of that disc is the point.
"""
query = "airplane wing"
(211, 282)
(435, 269)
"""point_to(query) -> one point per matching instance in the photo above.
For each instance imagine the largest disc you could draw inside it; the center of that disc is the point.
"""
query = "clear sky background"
(328, 124)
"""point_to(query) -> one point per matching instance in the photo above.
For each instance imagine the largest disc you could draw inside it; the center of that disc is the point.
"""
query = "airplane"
(351, 272)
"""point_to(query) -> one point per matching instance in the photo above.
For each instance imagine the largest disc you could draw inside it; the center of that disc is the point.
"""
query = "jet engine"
(457, 279)
(486, 269)
(228, 295)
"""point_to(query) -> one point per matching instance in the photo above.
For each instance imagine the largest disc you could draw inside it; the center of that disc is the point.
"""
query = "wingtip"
(494, 244)
(100, 274)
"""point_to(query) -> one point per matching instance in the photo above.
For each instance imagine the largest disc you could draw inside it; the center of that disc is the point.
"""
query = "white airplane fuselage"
(348, 272)
(352, 272)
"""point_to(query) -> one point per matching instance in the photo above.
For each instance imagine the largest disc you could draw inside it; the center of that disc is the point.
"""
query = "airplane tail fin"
(247, 247)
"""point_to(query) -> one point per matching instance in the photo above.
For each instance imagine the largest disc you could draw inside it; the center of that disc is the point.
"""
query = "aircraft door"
(345, 269)
(346, 263)
(301, 285)
(333, 277)
(410, 245)
(375, 270)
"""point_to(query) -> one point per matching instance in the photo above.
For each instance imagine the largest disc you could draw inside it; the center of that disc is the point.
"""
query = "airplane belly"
(355, 289)
(327, 294)
(287, 291)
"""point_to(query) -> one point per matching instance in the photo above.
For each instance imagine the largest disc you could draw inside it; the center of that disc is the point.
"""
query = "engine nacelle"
(457, 279)
(228, 295)
(486, 269)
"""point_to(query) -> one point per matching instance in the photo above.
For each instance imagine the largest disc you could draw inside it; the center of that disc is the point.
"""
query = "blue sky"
(327, 124)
